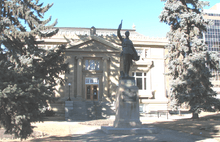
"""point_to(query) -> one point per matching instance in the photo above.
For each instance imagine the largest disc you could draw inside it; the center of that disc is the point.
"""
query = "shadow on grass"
(206, 126)
(180, 130)
(163, 135)
(97, 135)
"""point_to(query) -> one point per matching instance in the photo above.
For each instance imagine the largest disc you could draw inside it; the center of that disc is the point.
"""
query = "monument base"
(127, 123)
(127, 131)
(127, 118)
(127, 105)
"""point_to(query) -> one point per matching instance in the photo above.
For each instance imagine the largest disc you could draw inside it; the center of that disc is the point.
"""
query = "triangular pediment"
(93, 43)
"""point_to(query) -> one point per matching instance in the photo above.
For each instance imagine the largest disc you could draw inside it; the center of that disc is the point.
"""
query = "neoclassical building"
(94, 60)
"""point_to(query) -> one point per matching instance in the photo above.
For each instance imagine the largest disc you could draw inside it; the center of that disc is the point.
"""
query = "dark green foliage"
(49, 113)
(28, 74)
(189, 60)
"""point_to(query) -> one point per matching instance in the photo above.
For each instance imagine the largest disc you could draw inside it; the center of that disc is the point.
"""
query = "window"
(146, 53)
(92, 80)
(140, 52)
(92, 64)
(143, 53)
(141, 80)
(141, 107)
(212, 38)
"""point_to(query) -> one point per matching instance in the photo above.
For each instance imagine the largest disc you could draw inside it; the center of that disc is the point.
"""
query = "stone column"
(105, 78)
(79, 77)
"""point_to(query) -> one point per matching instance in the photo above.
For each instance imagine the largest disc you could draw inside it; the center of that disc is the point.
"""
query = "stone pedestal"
(127, 118)
(127, 105)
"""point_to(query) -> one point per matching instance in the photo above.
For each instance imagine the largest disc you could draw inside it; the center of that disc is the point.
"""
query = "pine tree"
(189, 62)
(28, 74)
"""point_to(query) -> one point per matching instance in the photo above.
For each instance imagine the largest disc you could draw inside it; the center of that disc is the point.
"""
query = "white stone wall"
(157, 72)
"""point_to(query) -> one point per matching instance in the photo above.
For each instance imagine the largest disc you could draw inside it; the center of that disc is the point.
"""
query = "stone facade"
(95, 64)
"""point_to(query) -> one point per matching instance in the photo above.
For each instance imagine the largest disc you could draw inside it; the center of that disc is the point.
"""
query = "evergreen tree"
(189, 60)
(28, 74)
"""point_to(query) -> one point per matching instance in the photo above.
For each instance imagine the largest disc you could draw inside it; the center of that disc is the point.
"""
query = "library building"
(94, 60)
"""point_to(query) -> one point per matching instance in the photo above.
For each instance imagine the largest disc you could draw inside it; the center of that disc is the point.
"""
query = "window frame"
(87, 64)
(145, 52)
(144, 77)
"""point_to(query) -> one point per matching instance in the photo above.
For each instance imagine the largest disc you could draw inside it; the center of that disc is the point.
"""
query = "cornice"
(92, 50)
(105, 58)
(79, 57)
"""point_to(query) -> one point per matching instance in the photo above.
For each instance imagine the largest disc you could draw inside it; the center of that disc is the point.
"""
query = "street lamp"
(69, 84)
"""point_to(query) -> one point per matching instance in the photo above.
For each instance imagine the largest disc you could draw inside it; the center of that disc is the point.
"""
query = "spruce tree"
(189, 61)
(28, 73)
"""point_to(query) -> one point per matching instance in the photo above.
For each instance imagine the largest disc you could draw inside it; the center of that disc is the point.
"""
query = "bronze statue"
(128, 52)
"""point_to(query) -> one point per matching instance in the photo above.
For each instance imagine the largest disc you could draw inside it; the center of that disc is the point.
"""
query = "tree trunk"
(195, 115)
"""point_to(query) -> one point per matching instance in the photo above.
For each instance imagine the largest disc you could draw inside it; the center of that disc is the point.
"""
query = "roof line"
(96, 28)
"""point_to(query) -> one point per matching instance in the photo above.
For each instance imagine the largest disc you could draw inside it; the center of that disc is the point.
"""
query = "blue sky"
(108, 14)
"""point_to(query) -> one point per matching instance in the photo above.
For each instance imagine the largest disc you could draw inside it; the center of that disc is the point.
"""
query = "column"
(69, 77)
(105, 78)
(79, 77)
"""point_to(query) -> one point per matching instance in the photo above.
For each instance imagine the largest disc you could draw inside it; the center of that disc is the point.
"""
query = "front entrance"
(92, 92)
(92, 88)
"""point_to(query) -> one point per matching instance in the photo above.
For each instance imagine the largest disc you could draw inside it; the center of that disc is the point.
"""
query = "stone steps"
(79, 111)
(88, 110)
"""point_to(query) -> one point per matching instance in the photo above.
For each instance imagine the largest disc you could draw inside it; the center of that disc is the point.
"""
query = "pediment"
(93, 43)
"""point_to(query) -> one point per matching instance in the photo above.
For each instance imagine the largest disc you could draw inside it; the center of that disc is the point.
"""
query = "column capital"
(105, 58)
(79, 57)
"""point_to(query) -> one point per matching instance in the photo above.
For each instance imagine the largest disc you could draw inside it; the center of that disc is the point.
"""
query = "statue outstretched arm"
(118, 31)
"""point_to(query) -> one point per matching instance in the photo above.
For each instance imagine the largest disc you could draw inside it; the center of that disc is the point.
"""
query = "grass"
(208, 125)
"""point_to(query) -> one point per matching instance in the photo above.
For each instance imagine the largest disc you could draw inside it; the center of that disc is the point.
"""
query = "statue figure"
(128, 52)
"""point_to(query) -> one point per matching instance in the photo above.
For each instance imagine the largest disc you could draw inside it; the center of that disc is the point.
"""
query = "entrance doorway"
(92, 88)
(92, 92)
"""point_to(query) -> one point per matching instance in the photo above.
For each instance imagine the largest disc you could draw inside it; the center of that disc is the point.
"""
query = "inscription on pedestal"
(129, 96)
